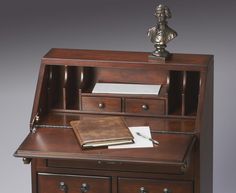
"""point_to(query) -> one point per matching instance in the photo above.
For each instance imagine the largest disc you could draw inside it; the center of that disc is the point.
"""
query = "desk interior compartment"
(183, 93)
(62, 85)
(68, 89)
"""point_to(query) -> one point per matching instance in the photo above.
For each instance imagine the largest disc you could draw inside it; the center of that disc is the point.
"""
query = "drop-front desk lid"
(172, 154)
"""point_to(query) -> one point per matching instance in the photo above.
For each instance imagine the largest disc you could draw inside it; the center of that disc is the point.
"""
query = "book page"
(115, 88)
(139, 142)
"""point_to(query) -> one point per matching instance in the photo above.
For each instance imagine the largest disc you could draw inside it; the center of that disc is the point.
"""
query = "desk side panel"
(206, 136)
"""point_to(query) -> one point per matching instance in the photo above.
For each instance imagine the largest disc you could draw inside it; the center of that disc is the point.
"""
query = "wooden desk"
(180, 118)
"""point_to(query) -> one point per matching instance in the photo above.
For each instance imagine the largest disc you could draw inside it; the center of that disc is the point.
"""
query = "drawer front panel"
(128, 185)
(54, 183)
(101, 104)
(145, 106)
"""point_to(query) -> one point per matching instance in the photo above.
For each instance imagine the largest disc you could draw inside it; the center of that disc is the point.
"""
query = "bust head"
(162, 13)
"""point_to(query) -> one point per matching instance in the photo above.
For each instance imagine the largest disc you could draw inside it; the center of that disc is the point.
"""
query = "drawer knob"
(63, 187)
(84, 188)
(165, 190)
(101, 105)
(145, 107)
(143, 190)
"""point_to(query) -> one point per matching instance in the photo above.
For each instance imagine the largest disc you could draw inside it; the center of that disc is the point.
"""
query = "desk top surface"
(76, 55)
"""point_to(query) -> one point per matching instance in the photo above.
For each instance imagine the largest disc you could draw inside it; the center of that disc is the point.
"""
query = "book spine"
(74, 126)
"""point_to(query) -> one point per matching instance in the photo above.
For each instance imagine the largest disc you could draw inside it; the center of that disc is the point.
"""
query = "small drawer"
(127, 185)
(145, 106)
(57, 183)
(101, 104)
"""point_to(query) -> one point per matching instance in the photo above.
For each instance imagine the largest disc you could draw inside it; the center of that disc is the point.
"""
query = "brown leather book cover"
(97, 132)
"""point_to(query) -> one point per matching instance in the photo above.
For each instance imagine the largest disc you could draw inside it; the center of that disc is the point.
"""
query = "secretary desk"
(180, 118)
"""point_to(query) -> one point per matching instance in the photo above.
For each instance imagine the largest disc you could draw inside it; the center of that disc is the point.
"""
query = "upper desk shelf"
(68, 76)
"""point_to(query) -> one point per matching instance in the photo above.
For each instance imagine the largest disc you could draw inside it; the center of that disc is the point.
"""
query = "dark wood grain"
(169, 125)
(127, 185)
(50, 183)
(62, 143)
(101, 104)
(145, 106)
(127, 56)
(121, 59)
(180, 118)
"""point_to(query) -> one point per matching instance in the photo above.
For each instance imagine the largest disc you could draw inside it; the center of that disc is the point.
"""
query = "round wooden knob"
(145, 107)
(143, 190)
(165, 190)
(101, 105)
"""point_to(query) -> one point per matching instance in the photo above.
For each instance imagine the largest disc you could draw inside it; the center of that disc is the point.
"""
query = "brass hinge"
(26, 160)
(32, 124)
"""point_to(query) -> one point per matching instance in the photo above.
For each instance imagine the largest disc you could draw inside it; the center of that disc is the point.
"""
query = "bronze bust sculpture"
(161, 34)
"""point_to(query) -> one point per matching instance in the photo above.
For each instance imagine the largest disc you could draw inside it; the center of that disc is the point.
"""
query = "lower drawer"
(57, 183)
(130, 185)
